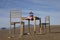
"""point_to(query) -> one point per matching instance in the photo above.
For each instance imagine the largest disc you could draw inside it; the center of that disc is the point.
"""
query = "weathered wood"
(34, 25)
(14, 29)
(29, 26)
(12, 23)
(21, 29)
(40, 26)
(49, 23)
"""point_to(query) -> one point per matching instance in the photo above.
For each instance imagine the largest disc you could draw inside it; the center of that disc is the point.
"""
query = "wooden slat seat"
(44, 23)
(12, 23)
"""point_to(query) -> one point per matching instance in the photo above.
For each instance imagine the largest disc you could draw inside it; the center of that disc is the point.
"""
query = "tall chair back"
(47, 21)
(14, 14)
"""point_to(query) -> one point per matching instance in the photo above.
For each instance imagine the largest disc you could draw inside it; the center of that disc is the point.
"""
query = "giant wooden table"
(33, 19)
(22, 25)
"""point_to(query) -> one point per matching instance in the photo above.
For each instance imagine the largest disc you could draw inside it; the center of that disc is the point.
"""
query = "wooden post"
(34, 25)
(40, 26)
(45, 25)
(48, 19)
(49, 23)
(21, 28)
(10, 27)
(14, 28)
(29, 26)
(45, 22)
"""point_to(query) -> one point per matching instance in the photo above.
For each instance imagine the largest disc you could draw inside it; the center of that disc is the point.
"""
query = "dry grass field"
(53, 35)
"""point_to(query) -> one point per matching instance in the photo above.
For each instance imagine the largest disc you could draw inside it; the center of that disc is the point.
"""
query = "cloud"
(45, 5)
(52, 4)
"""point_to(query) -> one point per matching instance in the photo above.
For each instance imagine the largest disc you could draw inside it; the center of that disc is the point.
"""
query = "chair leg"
(34, 25)
(28, 26)
(49, 28)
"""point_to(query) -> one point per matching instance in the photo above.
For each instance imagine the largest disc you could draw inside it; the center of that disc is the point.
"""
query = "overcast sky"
(40, 8)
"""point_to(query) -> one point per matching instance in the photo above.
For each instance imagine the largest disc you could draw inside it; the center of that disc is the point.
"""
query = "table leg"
(29, 26)
(34, 25)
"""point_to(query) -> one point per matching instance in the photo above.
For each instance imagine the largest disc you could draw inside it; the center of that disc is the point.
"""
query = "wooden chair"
(45, 24)
(15, 14)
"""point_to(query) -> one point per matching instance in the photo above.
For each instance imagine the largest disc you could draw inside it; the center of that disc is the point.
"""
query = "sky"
(40, 8)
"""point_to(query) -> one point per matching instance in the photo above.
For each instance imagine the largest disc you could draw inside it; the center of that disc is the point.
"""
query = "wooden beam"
(14, 28)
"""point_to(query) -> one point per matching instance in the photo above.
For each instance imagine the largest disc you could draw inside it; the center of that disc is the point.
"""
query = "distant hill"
(3, 28)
